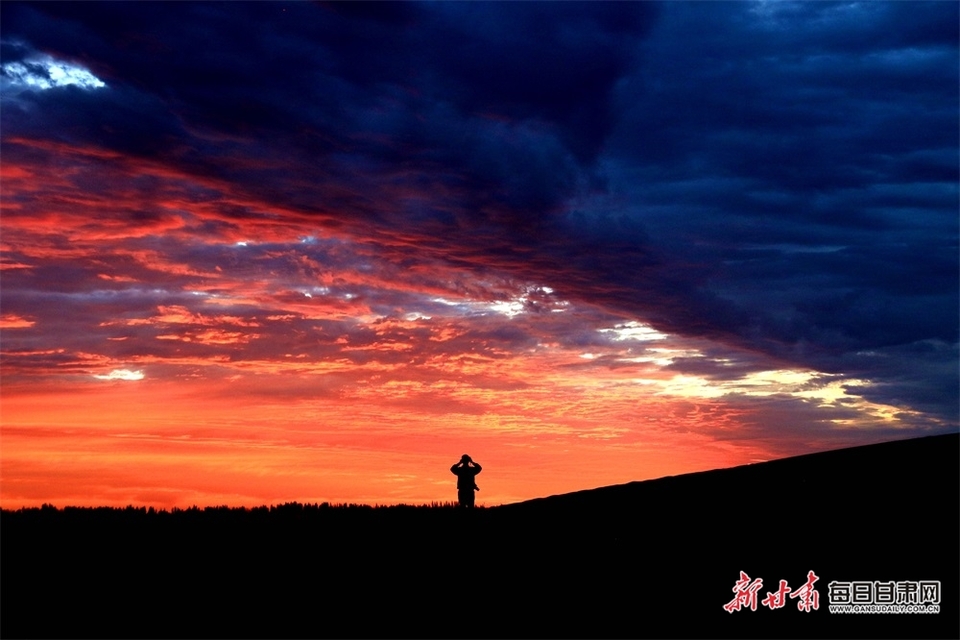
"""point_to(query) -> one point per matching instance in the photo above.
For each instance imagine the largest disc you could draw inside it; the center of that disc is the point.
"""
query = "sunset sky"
(259, 253)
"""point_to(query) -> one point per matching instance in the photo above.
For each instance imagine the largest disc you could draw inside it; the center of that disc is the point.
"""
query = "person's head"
(464, 459)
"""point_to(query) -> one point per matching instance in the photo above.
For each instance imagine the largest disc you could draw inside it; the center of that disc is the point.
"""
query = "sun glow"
(121, 374)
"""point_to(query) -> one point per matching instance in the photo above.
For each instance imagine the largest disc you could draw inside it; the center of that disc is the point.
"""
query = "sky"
(255, 253)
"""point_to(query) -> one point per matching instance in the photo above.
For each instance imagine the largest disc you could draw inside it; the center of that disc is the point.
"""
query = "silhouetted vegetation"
(287, 509)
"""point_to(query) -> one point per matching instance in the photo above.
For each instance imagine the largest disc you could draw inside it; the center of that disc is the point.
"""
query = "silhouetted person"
(466, 470)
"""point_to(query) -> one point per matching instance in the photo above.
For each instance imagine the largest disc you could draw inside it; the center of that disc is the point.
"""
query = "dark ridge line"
(803, 460)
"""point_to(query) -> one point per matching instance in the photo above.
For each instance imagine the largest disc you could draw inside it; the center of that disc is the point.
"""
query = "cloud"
(621, 199)
(44, 72)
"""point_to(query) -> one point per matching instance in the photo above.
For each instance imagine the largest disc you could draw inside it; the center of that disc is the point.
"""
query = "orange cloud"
(13, 321)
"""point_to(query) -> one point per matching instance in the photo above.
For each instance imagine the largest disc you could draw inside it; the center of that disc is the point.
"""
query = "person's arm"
(477, 467)
(453, 469)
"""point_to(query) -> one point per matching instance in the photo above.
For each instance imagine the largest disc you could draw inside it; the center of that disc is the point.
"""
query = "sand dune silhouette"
(653, 558)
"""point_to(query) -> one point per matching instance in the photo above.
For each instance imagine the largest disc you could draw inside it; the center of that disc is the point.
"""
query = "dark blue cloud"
(777, 176)
(807, 154)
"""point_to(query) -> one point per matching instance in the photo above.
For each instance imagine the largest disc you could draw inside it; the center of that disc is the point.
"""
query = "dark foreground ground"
(647, 559)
